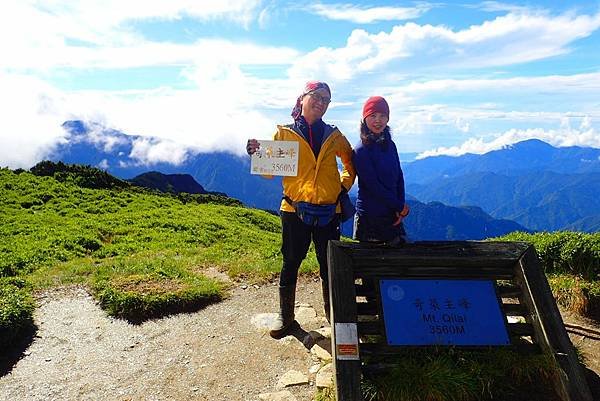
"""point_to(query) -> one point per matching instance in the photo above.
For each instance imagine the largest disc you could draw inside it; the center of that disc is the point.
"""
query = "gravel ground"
(218, 353)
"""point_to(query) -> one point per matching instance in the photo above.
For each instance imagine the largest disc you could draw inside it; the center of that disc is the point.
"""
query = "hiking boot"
(285, 323)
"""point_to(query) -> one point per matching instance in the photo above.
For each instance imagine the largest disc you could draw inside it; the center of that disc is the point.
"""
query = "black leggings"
(296, 237)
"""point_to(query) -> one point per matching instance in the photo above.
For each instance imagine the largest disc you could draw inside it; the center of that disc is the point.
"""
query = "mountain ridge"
(230, 174)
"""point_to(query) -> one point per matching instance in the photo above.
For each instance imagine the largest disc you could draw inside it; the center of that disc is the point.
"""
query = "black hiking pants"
(296, 237)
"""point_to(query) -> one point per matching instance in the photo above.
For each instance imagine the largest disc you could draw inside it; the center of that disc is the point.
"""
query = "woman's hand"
(398, 220)
(252, 146)
(401, 215)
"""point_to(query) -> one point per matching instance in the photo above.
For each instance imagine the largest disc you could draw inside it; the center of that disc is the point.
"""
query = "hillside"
(174, 183)
(68, 221)
(520, 158)
(139, 253)
(436, 221)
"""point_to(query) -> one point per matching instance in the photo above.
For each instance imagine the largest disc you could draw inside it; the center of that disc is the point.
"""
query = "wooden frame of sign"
(356, 308)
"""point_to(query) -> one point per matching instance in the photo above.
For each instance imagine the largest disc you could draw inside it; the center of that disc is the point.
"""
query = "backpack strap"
(288, 200)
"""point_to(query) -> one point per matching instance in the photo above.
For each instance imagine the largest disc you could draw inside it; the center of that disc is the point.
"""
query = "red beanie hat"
(375, 104)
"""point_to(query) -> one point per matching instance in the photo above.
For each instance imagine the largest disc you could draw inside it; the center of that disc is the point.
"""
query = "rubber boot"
(325, 292)
(285, 323)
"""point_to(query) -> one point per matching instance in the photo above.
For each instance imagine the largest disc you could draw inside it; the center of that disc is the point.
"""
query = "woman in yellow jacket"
(319, 183)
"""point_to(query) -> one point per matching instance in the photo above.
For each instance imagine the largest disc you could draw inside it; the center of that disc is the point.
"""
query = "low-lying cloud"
(584, 135)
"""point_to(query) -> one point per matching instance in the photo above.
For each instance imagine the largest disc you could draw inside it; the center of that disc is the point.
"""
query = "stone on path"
(320, 353)
(305, 314)
(314, 369)
(292, 378)
(324, 376)
(279, 396)
(263, 320)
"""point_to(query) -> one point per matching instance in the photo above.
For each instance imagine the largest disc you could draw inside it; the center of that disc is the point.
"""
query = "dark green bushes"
(564, 252)
(83, 176)
(16, 310)
(571, 261)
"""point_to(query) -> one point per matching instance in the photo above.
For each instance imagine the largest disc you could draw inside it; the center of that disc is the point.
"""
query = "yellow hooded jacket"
(318, 180)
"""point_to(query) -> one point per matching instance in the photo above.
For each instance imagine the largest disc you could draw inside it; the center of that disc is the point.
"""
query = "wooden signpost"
(376, 291)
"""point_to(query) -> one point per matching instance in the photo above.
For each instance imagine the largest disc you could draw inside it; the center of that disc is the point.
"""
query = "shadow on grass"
(12, 353)
(137, 317)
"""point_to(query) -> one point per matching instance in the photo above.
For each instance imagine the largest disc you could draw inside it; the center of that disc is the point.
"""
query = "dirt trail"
(218, 353)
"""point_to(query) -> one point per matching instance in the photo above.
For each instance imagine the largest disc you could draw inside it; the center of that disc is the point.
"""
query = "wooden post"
(343, 310)
(549, 327)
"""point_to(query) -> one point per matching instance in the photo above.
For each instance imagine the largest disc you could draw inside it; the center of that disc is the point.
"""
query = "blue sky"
(205, 75)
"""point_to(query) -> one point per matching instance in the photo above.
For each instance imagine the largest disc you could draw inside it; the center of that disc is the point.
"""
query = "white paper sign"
(275, 158)
(346, 341)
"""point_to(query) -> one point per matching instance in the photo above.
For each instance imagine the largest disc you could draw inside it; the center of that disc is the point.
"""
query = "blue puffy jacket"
(380, 179)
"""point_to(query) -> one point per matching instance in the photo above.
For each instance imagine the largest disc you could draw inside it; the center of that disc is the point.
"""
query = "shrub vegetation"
(571, 260)
(16, 310)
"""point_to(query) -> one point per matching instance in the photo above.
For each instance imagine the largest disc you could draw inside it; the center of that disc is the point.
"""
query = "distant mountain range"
(531, 182)
(518, 159)
(435, 221)
(111, 150)
(450, 190)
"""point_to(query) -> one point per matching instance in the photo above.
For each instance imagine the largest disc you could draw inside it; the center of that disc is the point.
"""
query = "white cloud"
(494, 6)
(430, 119)
(212, 118)
(148, 151)
(225, 103)
(216, 116)
(367, 15)
(518, 102)
(104, 165)
(31, 120)
(584, 135)
(98, 136)
(147, 54)
(589, 83)
(104, 22)
(101, 34)
(506, 40)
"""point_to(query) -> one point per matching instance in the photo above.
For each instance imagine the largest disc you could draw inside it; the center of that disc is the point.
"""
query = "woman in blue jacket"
(380, 207)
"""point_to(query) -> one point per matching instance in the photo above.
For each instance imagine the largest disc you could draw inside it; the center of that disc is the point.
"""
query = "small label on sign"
(346, 341)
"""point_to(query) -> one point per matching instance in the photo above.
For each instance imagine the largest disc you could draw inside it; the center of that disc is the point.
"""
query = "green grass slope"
(142, 253)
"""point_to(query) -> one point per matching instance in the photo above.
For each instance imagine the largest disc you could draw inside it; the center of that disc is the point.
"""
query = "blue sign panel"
(442, 312)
